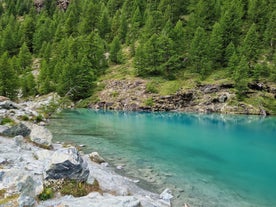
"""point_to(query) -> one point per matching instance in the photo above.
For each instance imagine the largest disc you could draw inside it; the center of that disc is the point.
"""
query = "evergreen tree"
(198, 50)
(123, 29)
(24, 57)
(250, 46)
(240, 77)
(116, 55)
(216, 51)
(104, 25)
(8, 78)
(28, 85)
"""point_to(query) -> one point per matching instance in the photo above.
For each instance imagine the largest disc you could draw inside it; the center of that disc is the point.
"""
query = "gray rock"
(1, 176)
(26, 187)
(94, 200)
(8, 105)
(67, 163)
(223, 98)
(19, 129)
(95, 157)
(24, 201)
(18, 140)
(3, 128)
(41, 135)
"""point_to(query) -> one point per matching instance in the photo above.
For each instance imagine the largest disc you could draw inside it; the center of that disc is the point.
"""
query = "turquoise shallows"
(207, 160)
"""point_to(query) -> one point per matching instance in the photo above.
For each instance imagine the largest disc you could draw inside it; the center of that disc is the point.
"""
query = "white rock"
(166, 195)
(40, 135)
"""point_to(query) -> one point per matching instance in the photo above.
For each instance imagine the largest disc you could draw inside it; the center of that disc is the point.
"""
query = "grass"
(4, 200)
(266, 101)
(78, 189)
(149, 102)
(71, 187)
(7, 120)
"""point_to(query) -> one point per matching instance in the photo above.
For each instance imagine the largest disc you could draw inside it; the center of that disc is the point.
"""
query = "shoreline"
(28, 157)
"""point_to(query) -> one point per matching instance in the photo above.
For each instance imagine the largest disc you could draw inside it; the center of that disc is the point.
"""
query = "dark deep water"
(207, 160)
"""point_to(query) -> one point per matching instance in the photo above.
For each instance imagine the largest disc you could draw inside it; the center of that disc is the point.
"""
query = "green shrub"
(7, 120)
(24, 118)
(39, 118)
(47, 193)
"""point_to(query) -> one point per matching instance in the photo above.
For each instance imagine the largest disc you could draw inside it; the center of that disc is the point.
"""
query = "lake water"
(207, 160)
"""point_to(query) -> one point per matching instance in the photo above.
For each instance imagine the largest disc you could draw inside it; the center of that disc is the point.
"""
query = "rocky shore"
(133, 95)
(34, 171)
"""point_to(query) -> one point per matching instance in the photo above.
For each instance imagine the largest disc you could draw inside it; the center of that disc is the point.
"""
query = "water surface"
(207, 160)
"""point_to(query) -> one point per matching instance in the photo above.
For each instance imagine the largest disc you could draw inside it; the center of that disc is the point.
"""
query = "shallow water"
(207, 160)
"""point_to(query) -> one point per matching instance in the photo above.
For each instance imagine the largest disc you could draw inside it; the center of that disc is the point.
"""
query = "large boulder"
(19, 129)
(68, 164)
(41, 135)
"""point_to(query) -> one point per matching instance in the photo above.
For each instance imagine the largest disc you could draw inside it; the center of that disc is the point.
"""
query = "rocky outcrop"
(19, 129)
(132, 95)
(67, 164)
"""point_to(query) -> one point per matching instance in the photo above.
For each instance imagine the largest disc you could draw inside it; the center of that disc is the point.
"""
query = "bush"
(24, 118)
(47, 193)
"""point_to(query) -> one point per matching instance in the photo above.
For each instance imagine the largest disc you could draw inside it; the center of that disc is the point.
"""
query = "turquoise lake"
(207, 160)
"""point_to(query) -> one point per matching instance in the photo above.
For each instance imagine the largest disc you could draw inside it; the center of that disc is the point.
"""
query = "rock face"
(40, 135)
(19, 129)
(67, 163)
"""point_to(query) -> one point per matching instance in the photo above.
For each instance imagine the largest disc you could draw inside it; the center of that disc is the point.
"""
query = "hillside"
(142, 55)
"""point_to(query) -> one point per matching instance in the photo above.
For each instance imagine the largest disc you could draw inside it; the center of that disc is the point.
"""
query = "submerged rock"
(166, 195)
(67, 163)
(95, 157)
(19, 129)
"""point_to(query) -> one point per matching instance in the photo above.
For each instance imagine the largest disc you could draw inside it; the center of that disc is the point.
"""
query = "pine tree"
(104, 25)
(240, 77)
(231, 22)
(8, 78)
(24, 57)
(28, 85)
(123, 29)
(250, 44)
(216, 51)
(116, 55)
(178, 37)
(198, 50)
